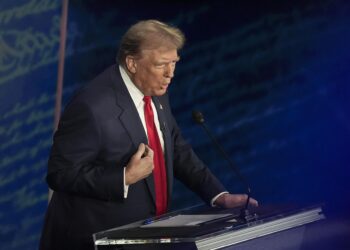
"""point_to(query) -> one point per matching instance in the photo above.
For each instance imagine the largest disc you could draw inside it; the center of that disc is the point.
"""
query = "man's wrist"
(212, 202)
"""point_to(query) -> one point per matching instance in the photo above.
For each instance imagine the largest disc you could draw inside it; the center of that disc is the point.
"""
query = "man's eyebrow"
(167, 60)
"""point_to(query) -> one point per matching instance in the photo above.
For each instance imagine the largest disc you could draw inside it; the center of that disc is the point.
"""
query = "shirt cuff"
(212, 202)
(126, 187)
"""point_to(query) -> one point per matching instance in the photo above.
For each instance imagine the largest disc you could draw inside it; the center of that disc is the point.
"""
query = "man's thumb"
(140, 151)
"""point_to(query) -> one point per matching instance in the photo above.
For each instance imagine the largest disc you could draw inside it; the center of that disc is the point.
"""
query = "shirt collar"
(135, 93)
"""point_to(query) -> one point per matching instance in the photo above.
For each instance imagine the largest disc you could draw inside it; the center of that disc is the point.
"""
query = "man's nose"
(169, 71)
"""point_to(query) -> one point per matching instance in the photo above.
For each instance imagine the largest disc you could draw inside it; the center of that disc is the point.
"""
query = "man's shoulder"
(108, 75)
(104, 81)
(99, 91)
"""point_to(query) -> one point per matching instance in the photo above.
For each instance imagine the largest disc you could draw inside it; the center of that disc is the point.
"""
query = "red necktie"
(158, 159)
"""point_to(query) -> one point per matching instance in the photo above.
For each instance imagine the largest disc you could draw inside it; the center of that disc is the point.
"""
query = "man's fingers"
(140, 151)
(149, 151)
(235, 200)
(253, 202)
(143, 151)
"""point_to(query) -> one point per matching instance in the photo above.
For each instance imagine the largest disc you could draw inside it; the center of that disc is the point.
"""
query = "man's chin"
(160, 92)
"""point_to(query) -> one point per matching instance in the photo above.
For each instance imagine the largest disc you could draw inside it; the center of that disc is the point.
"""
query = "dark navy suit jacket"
(98, 133)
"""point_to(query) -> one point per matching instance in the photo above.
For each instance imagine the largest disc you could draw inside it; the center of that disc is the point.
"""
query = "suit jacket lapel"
(130, 119)
(129, 116)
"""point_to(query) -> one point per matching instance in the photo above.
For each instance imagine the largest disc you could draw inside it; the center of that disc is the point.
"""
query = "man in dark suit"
(118, 147)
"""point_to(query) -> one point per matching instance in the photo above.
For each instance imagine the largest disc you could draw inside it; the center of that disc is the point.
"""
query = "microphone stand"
(244, 213)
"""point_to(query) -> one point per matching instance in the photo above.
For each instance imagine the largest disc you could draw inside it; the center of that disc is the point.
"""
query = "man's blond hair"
(149, 34)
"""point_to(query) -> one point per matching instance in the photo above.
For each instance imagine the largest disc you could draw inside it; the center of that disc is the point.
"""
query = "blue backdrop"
(271, 77)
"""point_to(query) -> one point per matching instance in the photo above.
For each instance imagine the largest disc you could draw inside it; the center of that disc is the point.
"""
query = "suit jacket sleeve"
(190, 170)
(74, 165)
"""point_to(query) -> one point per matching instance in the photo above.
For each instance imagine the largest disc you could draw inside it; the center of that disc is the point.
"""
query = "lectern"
(205, 228)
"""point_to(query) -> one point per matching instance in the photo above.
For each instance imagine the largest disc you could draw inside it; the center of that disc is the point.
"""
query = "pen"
(152, 220)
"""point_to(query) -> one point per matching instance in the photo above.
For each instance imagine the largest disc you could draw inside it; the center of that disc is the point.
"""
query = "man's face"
(153, 70)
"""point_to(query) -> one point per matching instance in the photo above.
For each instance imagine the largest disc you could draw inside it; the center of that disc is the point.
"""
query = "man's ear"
(131, 64)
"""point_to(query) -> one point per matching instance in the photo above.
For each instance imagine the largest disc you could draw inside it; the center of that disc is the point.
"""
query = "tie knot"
(147, 99)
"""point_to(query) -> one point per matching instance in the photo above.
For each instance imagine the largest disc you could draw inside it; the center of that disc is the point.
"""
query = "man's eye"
(163, 65)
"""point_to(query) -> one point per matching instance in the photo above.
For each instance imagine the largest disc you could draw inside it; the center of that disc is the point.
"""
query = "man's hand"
(234, 200)
(140, 165)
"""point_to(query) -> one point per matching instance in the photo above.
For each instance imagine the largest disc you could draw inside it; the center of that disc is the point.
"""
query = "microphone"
(245, 214)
